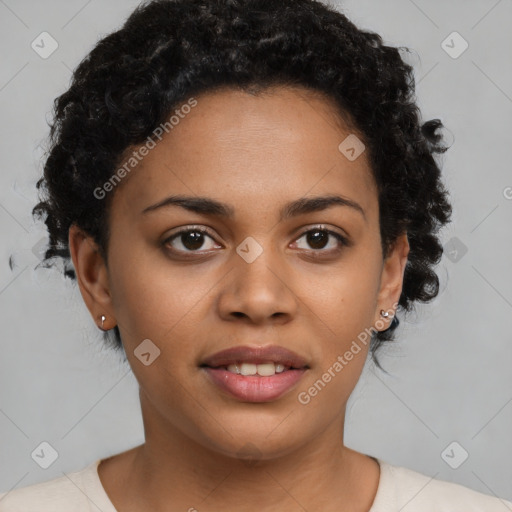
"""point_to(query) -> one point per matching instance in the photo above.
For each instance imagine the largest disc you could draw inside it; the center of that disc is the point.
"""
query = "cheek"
(343, 314)
(345, 298)
(153, 306)
(344, 307)
(152, 296)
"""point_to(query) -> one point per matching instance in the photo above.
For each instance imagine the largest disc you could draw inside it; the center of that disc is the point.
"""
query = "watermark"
(146, 352)
(139, 154)
(304, 397)
(250, 454)
(507, 192)
(44, 454)
(455, 249)
(44, 45)
(454, 45)
(249, 249)
(454, 455)
(352, 147)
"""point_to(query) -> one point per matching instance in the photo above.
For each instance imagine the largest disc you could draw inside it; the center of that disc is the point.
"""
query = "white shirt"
(400, 489)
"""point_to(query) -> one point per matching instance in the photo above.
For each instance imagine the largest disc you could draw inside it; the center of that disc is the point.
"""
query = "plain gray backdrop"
(446, 408)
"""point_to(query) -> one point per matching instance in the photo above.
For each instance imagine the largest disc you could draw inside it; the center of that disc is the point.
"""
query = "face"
(274, 268)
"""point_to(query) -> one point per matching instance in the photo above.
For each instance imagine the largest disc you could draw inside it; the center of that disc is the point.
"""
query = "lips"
(255, 355)
(255, 388)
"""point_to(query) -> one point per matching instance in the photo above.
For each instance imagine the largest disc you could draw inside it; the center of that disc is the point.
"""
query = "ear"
(392, 279)
(92, 276)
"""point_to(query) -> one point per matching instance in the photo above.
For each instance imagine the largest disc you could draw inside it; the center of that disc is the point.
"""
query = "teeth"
(233, 368)
(248, 369)
(264, 370)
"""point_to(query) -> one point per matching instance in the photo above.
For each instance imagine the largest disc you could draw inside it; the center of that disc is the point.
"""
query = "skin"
(255, 153)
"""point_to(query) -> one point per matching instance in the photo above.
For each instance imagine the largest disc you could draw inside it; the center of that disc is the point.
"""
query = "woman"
(247, 195)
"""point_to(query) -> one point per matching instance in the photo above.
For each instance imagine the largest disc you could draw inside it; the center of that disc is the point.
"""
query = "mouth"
(246, 368)
(255, 374)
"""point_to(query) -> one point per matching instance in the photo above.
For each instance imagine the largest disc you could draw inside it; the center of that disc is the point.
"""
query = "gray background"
(450, 370)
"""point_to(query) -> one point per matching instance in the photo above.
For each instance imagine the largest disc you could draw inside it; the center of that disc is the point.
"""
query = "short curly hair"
(168, 50)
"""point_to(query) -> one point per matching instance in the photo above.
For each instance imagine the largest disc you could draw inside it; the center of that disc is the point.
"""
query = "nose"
(258, 292)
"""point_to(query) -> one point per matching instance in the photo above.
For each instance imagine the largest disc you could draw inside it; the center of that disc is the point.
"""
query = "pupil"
(192, 240)
(314, 237)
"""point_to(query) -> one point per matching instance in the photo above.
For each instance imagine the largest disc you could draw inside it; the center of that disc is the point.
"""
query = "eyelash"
(343, 240)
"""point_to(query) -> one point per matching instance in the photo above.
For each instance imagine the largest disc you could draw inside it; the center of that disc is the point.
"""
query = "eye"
(318, 239)
(193, 239)
(190, 240)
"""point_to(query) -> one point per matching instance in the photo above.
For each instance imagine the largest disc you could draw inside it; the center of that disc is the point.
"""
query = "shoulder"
(68, 493)
(407, 490)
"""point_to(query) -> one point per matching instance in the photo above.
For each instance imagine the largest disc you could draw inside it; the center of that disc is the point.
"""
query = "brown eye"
(318, 240)
(190, 240)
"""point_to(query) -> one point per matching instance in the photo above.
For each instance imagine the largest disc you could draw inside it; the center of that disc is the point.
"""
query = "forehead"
(232, 144)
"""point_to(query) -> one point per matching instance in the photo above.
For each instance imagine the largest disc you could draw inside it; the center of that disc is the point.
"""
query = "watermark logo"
(351, 147)
(250, 454)
(44, 455)
(249, 249)
(455, 249)
(139, 154)
(44, 45)
(146, 352)
(304, 397)
(454, 45)
(454, 455)
(39, 249)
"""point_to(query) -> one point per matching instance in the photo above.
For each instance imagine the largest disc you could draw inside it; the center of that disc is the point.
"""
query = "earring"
(383, 313)
(103, 318)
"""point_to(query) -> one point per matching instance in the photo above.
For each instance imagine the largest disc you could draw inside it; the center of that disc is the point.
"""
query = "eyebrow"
(208, 206)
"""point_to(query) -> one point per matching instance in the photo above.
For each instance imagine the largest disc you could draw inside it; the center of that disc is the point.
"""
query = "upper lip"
(255, 355)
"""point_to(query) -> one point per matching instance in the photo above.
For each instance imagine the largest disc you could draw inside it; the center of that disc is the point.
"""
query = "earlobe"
(392, 277)
(91, 274)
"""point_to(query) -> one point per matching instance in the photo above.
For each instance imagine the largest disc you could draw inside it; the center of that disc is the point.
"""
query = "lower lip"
(253, 388)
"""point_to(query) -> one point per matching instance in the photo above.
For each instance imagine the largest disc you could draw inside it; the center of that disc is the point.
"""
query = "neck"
(322, 475)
